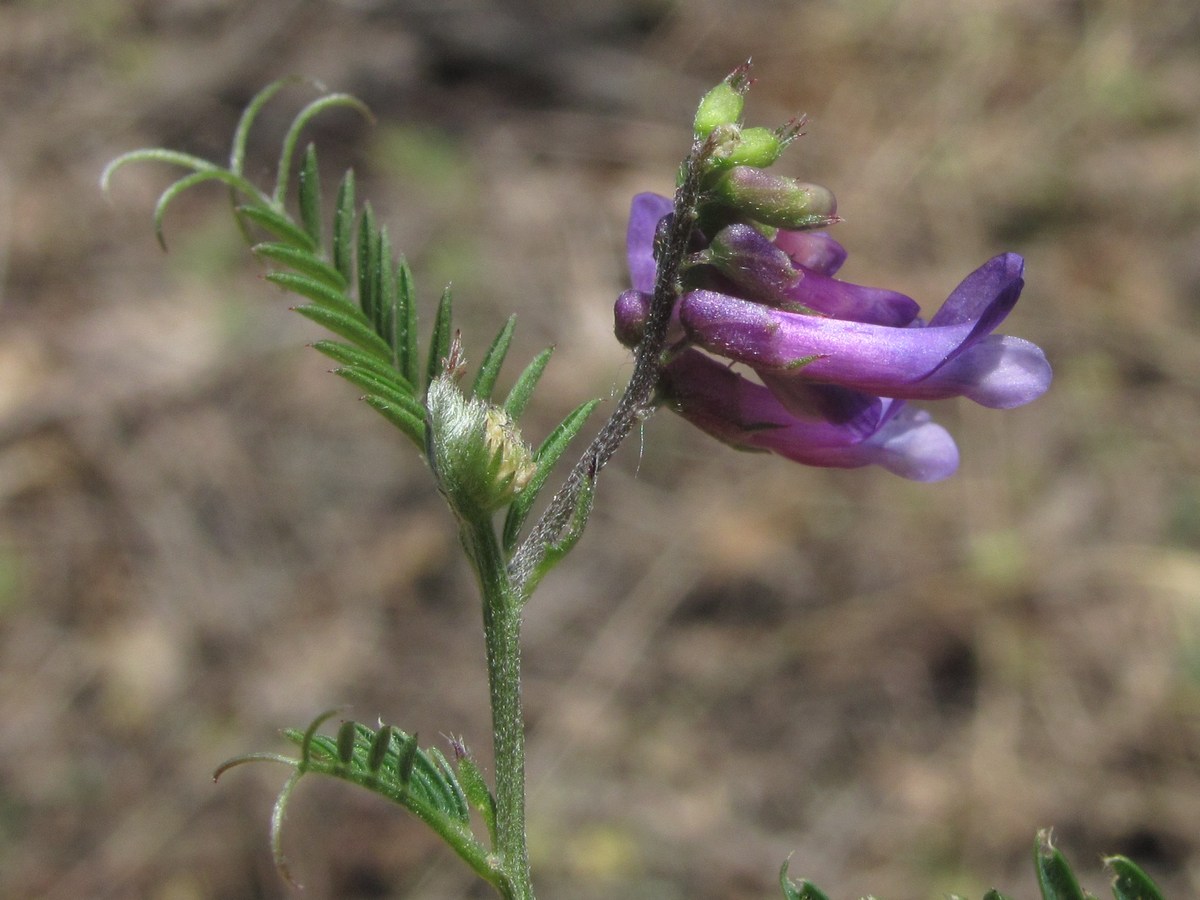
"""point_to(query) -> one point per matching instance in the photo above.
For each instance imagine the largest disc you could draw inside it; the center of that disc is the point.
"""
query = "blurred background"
(204, 539)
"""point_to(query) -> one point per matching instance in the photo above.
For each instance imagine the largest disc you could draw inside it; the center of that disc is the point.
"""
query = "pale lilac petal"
(999, 372)
(913, 446)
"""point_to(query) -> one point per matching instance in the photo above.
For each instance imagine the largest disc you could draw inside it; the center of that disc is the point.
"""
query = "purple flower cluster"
(835, 362)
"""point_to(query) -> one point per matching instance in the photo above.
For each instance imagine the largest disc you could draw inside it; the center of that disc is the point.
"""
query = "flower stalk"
(638, 401)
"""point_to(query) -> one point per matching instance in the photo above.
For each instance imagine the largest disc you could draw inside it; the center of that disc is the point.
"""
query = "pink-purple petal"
(814, 250)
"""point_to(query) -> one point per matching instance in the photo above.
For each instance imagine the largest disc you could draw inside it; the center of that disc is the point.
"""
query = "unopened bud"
(745, 256)
(476, 451)
(630, 313)
(776, 199)
(720, 106)
(737, 146)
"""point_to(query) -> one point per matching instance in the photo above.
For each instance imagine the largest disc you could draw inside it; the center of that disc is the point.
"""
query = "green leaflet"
(350, 325)
(1055, 878)
(317, 291)
(519, 396)
(805, 890)
(369, 246)
(545, 456)
(343, 228)
(439, 342)
(1130, 882)
(308, 189)
(400, 417)
(489, 369)
(408, 357)
(279, 224)
(303, 262)
(346, 355)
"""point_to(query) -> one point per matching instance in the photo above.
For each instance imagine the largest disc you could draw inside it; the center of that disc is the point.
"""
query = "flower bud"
(720, 106)
(745, 256)
(737, 146)
(476, 451)
(776, 199)
(630, 313)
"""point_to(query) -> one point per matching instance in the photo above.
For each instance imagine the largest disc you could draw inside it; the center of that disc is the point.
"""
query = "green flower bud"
(775, 199)
(475, 450)
(720, 106)
(745, 147)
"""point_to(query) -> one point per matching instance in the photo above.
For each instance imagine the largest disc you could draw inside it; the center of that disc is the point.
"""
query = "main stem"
(504, 588)
(502, 634)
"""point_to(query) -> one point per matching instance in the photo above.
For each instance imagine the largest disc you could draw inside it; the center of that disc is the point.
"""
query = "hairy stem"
(637, 403)
(502, 635)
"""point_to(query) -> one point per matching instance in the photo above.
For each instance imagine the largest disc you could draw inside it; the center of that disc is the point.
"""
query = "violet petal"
(644, 215)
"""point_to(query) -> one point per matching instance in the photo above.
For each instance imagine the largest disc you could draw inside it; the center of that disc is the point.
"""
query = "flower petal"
(814, 250)
(855, 302)
(999, 372)
(950, 356)
(984, 298)
(913, 446)
(645, 213)
(871, 358)
(748, 416)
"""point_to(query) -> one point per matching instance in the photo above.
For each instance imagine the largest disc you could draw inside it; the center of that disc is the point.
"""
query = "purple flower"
(954, 354)
(836, 360)
(841, 428)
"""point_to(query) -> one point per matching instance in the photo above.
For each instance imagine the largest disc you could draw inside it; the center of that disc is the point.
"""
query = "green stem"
(502, 633)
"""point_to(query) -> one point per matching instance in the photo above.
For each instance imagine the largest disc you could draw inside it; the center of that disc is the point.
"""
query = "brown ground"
(203, 538)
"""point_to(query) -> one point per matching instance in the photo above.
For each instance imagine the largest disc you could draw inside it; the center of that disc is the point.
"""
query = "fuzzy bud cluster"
(475, 449)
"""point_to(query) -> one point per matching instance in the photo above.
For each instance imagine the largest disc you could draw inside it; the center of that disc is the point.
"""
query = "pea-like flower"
(835, 362)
